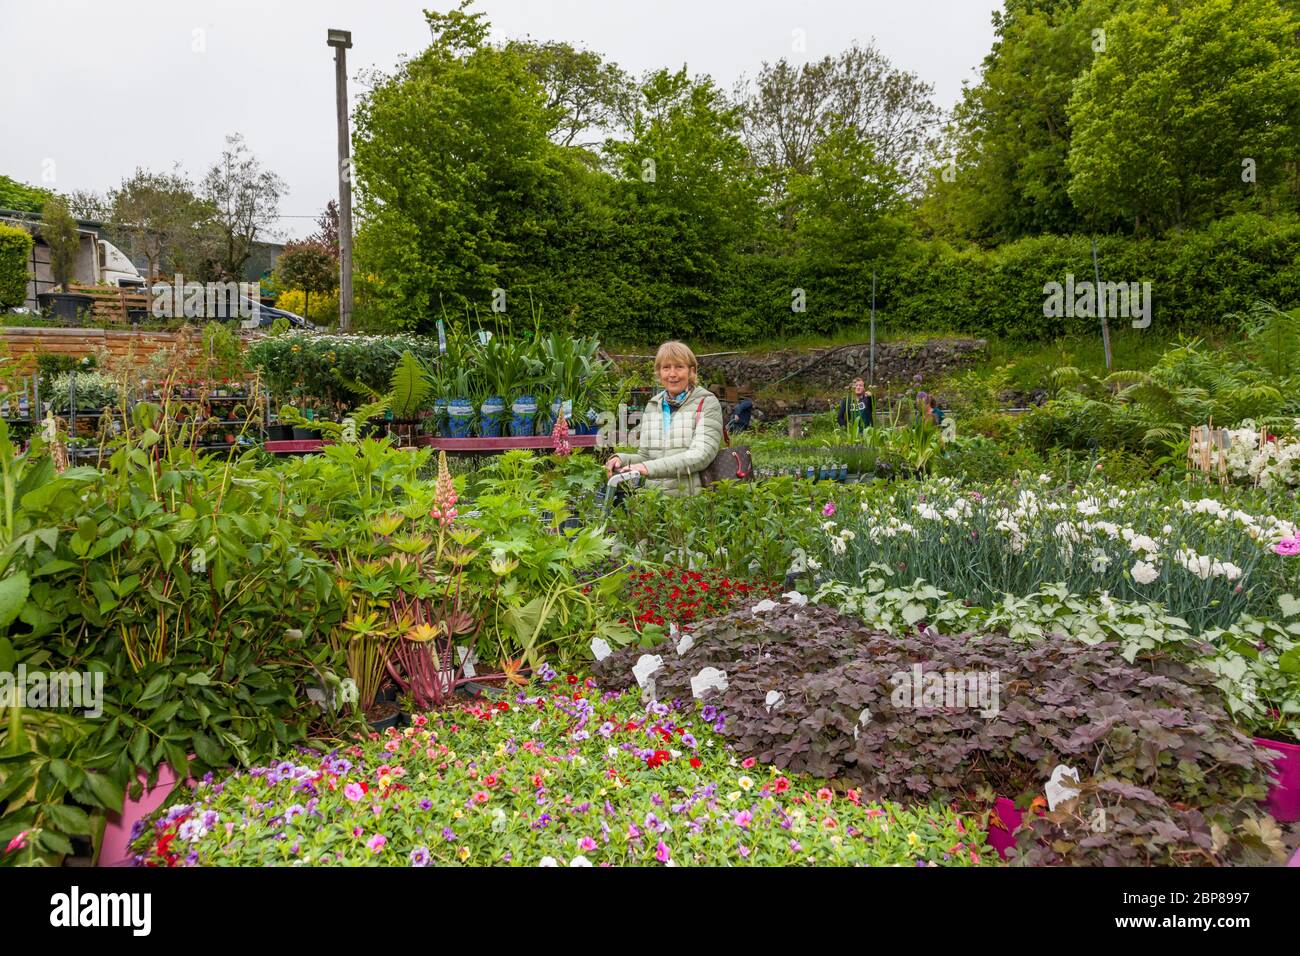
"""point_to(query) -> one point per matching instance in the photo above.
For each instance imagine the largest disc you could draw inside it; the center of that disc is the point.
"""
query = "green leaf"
(107, 793)
(166, 548)
(68, 818)
(154, 687)
(54, 843)
(13, 595)
(68, 775)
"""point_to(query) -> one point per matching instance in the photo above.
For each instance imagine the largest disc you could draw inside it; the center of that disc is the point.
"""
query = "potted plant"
(59, 232)
(87, 390)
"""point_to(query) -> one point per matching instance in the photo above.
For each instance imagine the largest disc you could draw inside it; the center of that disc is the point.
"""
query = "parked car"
(265, 316)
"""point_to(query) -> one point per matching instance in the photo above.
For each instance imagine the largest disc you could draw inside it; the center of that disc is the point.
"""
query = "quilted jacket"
(674, 456)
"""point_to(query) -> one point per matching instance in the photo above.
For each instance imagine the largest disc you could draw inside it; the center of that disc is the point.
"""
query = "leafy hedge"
(15, 252)
(1196, 277)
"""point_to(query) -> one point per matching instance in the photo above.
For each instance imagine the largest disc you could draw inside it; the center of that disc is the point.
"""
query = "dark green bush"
(983, 459)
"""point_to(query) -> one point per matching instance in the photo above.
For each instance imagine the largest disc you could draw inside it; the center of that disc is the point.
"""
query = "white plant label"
(600, 648)
(646, 665)
(1058, 790)
(685, 644)
(774, 699)
(708, 679)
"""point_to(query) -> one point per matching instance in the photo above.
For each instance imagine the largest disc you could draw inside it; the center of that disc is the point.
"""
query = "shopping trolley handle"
(623, 477)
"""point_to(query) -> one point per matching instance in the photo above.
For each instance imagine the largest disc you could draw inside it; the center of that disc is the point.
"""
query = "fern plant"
(408, 388)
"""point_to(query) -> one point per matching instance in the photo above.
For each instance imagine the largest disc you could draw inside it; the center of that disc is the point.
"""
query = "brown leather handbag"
(730, 464)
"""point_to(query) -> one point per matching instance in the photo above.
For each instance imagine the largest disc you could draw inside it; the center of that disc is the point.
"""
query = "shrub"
(15, 253)
(840, 714)
(983, 459)
(1111, 823)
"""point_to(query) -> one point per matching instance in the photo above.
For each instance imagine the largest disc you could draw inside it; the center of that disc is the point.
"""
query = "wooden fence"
(24, 344)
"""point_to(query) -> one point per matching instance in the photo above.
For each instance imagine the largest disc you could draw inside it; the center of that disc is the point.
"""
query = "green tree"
(789, 108)
(452, 173)
(847, 203)
(1003, 170)
(245, 200)
(687, 202)
(586, 96)
(309, 266)
(20, 196)
(59, 231)
(1166, 118)
(157, 217)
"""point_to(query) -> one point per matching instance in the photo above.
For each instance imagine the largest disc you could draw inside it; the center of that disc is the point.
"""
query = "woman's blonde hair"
(678, 353)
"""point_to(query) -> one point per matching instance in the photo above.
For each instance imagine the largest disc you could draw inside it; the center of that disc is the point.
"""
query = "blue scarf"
(668, 406)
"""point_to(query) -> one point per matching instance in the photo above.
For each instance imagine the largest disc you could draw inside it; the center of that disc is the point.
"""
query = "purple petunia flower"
(420, 856)
(426, 804)
(449, 834)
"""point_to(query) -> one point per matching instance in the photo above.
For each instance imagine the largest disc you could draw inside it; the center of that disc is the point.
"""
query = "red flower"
(695, 762)
(502, 705)
(657, 759)
(572, 679)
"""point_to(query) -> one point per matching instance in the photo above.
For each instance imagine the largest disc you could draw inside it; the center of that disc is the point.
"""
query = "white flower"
(1100, 561)
(1144, 573)
(548, 861)
(580, 861)
(838, 546)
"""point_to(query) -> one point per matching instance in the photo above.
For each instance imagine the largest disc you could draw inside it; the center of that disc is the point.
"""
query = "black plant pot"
(384, 714)
(279, 432)
(68, 307)
(305, 434)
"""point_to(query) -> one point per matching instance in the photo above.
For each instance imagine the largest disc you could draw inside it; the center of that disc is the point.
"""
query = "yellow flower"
(745, 783)
(733, 796)
(913, 839)
(462, 854)
(457, 813)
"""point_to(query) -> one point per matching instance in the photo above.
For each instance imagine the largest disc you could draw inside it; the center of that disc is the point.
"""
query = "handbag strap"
(699, 410)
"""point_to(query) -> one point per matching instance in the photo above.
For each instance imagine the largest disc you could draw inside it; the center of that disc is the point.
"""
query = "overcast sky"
(91, 89)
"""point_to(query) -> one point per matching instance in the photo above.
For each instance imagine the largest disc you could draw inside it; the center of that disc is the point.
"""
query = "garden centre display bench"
(468, 446)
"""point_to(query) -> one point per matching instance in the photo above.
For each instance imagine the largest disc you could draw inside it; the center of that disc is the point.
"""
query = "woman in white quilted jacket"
(681, 430)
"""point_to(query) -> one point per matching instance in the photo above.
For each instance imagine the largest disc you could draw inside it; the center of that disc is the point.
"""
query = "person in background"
(740, 415)
(925, 408)
(681, 430)
(858, 404)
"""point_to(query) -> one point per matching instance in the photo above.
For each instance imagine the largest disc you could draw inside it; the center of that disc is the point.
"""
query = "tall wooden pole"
(871, 373)
(1101, 305)
(341, 40)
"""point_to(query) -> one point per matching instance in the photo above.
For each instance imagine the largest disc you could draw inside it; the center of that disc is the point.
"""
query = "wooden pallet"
(112, 304)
